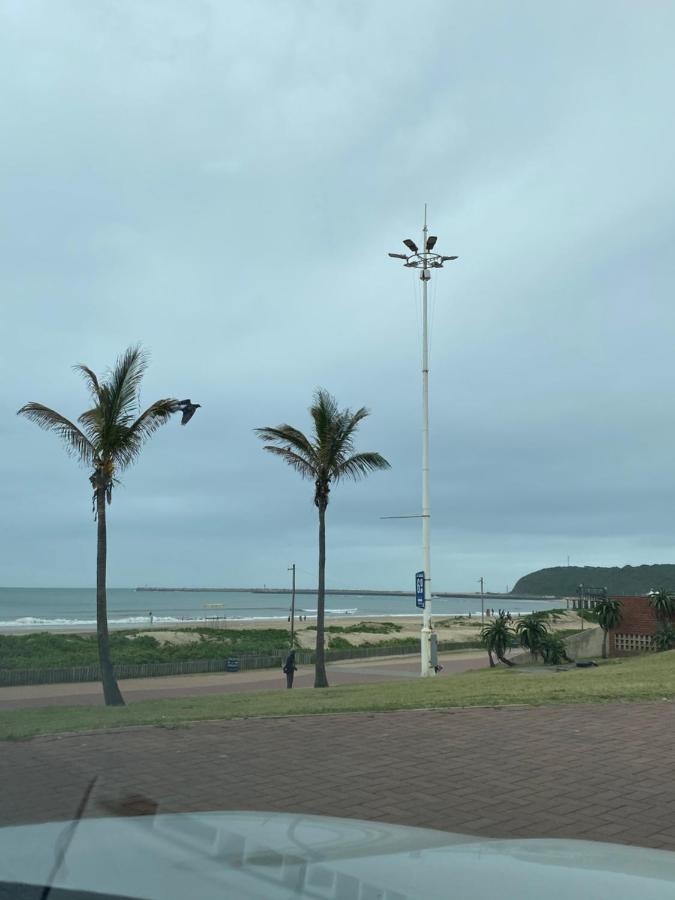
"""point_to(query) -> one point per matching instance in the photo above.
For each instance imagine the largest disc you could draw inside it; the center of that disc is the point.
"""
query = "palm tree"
(664, 638)
(609, 613)
(326, 458)
(553, 650)
(531, 631)
(110, 439)
(496, 638)
(663, 604)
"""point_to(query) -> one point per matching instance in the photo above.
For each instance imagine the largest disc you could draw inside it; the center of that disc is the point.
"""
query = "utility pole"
(292, 569)
(425, 260)
(482, 602)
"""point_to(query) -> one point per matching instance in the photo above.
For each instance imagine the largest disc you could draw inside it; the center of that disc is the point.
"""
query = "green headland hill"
(562, 581)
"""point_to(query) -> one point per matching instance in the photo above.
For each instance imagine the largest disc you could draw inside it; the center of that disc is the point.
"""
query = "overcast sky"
(222, 182)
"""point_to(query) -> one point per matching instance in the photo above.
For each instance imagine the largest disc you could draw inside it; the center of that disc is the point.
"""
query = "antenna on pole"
(424, 260)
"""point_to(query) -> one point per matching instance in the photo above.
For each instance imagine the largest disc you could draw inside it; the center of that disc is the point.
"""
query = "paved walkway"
(134, 689)
(600, 772)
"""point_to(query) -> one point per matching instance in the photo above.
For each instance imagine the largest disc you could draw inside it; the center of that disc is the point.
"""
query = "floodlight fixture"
(398, 255)
(431, 240)
(411, 245)
(447, 258)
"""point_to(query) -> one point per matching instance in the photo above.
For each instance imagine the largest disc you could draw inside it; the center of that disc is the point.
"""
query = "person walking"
(290, 669)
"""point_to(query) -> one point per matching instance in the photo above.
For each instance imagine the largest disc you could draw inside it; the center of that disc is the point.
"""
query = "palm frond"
(352, 420)
(299, 463)
(345, 426)
(357, 417)
(329, 456)
(663, 604)
(359, 465)
(90, 379)
(77, 444)
(131, 439)
(334, 442)
(324, 411)
(122, 385)
(292, 437)
(609, 613)
(93, 423)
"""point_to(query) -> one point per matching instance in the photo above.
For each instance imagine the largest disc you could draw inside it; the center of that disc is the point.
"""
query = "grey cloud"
(224, 184)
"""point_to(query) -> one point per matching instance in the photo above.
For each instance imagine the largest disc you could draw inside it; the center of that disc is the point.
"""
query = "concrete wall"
(579, 646)
(587, 643)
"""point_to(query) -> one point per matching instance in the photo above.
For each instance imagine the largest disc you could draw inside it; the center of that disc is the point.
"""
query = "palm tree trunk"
(111, 692)
(605, 635)
(492, 662)
(503, 659)
(320, 678)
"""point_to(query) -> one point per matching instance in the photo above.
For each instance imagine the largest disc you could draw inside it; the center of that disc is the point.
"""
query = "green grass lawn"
(649, 677)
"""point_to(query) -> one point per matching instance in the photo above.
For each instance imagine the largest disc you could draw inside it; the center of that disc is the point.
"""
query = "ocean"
(35, 609)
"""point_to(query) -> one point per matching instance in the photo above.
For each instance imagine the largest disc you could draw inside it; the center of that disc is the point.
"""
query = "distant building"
(587, 597)
(638, 625)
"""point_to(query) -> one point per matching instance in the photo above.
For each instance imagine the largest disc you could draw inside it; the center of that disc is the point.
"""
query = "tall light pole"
(292, 569)
(425, 260)
(482, 602)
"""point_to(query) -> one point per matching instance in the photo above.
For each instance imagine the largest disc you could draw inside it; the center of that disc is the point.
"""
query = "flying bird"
(188, 408)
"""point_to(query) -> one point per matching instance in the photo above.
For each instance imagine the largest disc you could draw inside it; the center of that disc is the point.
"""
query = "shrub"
(360, 628)
(588, 615)
(663, 604)
(531, 631)
(553, 651)
(497, 637)
(664, 639)
(338, 643)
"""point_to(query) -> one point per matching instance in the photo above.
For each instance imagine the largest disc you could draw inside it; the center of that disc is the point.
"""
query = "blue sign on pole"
(419, 590)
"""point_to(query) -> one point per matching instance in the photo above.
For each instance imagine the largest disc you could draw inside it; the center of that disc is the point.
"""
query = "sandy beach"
(462, 628)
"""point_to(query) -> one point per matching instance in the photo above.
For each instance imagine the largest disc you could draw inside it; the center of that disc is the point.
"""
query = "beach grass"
(45, 650)
(648, 677)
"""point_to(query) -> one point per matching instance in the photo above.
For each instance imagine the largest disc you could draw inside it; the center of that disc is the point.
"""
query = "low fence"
(16, 677)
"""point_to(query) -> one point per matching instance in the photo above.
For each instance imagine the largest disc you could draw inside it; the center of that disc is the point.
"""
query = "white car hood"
(246, 855)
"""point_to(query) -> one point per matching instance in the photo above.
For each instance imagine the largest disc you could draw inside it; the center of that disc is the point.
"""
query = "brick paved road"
(600, 772)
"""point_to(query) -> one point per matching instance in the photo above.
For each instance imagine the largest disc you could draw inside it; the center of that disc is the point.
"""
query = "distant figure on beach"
(290, 669)
(150, 614)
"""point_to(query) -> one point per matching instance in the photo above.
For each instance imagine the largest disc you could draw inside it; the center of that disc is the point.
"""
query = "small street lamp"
(292, 569)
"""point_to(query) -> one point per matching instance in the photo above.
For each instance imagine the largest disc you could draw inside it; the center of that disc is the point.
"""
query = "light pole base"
(427, 667)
